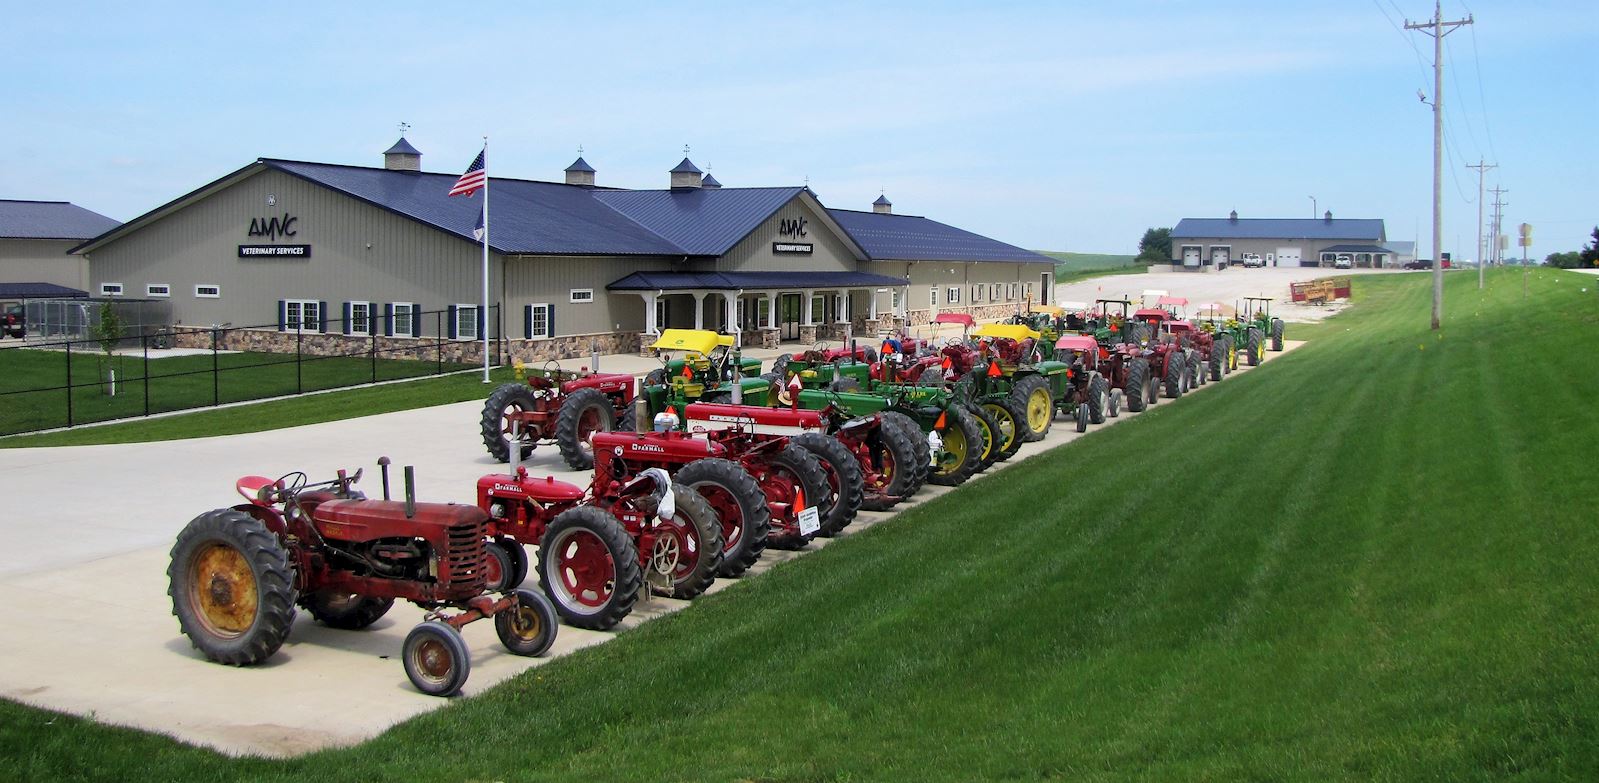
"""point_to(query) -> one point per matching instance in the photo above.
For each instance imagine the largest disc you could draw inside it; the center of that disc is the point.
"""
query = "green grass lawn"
(1371, 559)
(1081, 266)
(169, 384)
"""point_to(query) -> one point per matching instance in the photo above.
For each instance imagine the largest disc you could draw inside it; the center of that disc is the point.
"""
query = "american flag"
(474, 178)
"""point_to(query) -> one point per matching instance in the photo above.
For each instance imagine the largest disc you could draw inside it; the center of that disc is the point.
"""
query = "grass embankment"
(172, 384)
(1371, 559)
(275, 414)
(1081, 266)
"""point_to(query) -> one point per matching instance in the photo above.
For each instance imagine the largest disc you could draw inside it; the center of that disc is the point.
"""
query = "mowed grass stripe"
(1315, 571)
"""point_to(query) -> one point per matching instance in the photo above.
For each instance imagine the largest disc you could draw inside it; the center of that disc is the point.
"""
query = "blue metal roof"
(402, 147)
(909, 238)
(686, 167)
(524, 216)
(700, 222)
(50, 220)
(580, 165)
(733, 281)
(1280, 228)
(40, 291)
(1356, 249)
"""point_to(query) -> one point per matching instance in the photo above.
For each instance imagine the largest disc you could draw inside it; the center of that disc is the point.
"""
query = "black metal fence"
(48, 383)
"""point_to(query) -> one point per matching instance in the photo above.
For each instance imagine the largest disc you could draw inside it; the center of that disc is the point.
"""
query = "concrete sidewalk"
(90, 527)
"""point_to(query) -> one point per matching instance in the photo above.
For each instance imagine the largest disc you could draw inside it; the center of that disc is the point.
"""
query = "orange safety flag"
(799, 499)
(993, 369)
(688, 371)
(946, 364)
(888, 348)
(943, 421)
(1113, 328)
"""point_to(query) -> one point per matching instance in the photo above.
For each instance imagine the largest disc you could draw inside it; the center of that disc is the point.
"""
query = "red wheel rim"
(780, 485)
(493, 574)
(584, 570)
(681, 529)
(507, 415)
(587, 424)
(728, 511)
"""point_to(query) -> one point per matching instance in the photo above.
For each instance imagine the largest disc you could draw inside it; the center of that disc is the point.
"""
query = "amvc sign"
(273, 227)
(793, 227)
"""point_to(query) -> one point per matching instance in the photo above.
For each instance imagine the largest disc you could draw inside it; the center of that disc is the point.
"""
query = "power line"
(1482, 168)
(1482, 96)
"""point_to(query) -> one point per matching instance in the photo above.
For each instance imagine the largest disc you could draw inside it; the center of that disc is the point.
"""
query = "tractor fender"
(266, 516)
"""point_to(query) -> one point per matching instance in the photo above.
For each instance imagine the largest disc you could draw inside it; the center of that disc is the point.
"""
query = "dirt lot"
(1226, 287)
(88, 531)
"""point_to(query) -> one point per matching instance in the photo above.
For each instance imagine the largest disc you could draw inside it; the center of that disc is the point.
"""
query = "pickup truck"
(12, 322)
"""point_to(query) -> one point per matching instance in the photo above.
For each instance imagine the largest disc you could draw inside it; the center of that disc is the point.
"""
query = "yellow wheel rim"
(954, 450)
(1038, 408)
(1007, 426)
(223, 590)
(989, 436)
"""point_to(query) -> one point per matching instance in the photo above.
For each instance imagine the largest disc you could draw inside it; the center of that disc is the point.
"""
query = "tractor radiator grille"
(465, 555)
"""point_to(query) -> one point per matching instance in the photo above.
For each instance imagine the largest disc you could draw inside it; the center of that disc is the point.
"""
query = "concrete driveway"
(89, 529)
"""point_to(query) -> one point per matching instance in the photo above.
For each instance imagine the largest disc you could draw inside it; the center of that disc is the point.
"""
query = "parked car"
(1252, 260)
(1421, 263)
(13, 322)
(1344, 261)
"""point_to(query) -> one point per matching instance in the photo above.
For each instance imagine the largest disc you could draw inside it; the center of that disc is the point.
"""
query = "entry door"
(789, 312)
(1287, 256)
(1046, 286)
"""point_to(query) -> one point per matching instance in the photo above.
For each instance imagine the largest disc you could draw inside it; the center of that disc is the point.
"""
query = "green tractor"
(1009, 362)
(1257, 313)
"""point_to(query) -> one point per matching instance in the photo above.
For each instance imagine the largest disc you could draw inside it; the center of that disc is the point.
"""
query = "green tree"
(1567, 260)
(1589, 258)
(108, 332)
(1155, 247)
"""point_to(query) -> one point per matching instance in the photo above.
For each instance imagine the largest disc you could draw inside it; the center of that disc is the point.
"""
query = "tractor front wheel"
(231, 586)
(1098, 398)
(922, 464)
(802, 471)
(958, 460)
(495, 425)
(844, 478)
(346, 611)
(987, 435)
(1080, 415)
(528, 628)
(499, 573)
(893, 460)
(583, 413)
(740, 505)
(589, 567)
(436, 658)
(1176, 371)
(688, 547)
(1137, 381)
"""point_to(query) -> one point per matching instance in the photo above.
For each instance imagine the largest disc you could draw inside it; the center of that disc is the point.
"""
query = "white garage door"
(1287, 256)
(1190, 256)
(1218, 256)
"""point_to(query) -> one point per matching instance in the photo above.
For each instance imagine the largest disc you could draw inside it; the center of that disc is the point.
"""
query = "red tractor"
(1089, 397)
(600, 547)
(238, 573)
(1168, 361)
(558, 406)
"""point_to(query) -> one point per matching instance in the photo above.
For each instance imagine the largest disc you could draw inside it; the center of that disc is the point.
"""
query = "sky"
(1052, 125)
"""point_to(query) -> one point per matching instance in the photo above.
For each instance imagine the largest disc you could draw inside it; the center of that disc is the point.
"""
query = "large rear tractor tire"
(987, 433)
(691, 551)
(1276, 334)
(1137, 380)
(958, 460)
(346, 611)
(804, 471)
(437, 660)
(1032, 394)
(897, 473)
(495, 427)
(1012, 422)
(589, 567)
(1218, 359)
(1098, 398)
(528, 629)
(922, 465)
(740, 506)
(1252, 348)
(844, 478)
(583, 413)
(231, 586)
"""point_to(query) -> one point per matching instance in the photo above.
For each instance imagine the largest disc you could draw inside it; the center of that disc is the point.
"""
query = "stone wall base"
(576, 346)
(420, 349)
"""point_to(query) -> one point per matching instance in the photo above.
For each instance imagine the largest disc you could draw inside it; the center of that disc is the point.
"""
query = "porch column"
(843, 306)
(650, 326)
(771, 311)
(806, 311)
(699, 309)
(871, 304)
(730, 311)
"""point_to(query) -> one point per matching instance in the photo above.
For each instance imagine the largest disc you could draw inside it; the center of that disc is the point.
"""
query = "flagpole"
(485, 311)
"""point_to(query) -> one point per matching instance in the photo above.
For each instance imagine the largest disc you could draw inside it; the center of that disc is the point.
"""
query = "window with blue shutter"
(454, 333)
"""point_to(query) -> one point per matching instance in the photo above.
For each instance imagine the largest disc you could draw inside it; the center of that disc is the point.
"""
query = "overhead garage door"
(1190, 256)
(1288, 256)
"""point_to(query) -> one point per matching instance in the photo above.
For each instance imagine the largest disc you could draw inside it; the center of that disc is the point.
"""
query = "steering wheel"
(284, 488)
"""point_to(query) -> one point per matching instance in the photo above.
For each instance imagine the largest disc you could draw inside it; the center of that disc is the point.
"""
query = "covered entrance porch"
(769, 308)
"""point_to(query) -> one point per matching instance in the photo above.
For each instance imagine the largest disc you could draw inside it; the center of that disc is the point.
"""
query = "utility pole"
(1481, 256)
(1437, 28)
(1499, 214)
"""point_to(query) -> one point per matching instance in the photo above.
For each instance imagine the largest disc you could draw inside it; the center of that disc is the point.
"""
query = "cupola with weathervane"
(580, 172)
(402, 157)
(686, 175)
(883, 206)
